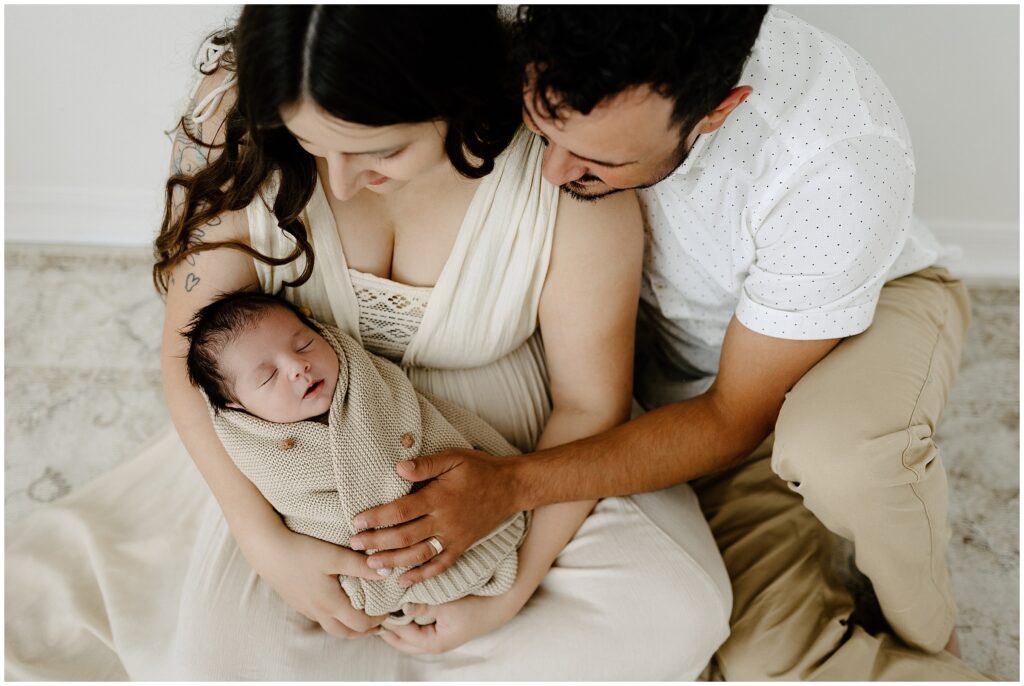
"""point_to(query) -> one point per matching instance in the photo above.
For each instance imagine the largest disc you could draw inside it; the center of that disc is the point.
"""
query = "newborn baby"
(318, 424)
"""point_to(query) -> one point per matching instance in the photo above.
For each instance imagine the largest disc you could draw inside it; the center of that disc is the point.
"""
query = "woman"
(439, 245)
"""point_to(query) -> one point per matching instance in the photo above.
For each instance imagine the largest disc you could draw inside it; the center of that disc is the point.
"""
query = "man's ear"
(717, 116)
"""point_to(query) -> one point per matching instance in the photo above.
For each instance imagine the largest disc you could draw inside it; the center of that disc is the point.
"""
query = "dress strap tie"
(207, 62)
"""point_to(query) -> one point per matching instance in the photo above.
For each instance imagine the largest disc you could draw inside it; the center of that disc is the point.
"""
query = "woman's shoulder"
(200, 127)
(613, 219)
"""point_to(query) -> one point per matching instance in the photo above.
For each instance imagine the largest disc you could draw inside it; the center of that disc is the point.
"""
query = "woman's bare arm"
(588, 320)
(302, 570)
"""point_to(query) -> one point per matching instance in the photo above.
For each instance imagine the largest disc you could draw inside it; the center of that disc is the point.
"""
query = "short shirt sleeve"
(824, 247)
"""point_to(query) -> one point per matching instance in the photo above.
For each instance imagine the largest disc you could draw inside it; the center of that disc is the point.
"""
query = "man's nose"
(343, 176)
(559, 167)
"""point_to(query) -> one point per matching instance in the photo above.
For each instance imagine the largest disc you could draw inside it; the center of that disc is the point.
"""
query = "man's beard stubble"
(577, 191)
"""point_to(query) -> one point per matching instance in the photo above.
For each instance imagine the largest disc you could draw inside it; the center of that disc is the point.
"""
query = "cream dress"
(137, 576)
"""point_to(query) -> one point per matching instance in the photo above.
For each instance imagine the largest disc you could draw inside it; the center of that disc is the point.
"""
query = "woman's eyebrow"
(365, 152)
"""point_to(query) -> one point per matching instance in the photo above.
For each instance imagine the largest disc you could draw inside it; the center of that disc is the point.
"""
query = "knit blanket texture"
(320, 476)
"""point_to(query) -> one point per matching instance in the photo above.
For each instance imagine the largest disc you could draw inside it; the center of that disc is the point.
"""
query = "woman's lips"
(313, 390)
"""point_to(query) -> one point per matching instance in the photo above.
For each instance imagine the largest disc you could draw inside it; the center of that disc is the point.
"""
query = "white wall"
(88, 92)
(90, 88)
(955, 72)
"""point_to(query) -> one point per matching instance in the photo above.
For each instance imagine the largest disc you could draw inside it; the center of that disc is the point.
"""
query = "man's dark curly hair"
(692, 54)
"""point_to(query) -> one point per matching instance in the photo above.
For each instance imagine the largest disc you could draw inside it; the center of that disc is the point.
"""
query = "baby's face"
(281, 370)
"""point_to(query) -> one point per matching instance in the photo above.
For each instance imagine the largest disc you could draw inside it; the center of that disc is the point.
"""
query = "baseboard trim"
(990, 250)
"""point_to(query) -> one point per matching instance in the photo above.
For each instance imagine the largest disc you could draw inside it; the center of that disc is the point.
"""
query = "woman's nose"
(559, 167)
(343, 175)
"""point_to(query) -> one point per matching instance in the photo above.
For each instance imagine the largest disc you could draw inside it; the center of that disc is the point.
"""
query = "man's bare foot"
(953, 646)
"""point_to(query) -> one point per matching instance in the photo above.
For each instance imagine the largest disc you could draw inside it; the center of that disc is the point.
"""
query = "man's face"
(627, 141)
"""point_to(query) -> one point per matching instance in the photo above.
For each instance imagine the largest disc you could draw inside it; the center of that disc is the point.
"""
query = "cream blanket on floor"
(319, 477)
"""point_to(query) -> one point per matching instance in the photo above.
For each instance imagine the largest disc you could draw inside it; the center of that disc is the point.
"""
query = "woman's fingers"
(349, 563)
(412, 638)
(355, 620)
(336, 628)
(397, 643)
(417, 610)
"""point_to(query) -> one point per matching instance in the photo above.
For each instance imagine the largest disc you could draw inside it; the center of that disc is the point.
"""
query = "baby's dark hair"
(220, 323)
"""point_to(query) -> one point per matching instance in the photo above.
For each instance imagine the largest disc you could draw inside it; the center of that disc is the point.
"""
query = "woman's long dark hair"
(372, 65)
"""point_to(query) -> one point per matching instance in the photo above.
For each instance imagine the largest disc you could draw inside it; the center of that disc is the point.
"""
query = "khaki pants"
(853, 447)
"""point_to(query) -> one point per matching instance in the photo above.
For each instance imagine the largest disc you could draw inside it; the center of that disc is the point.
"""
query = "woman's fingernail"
(359, 523)
(384, 571)
(356, 545)
(374, 563)
(404, 584)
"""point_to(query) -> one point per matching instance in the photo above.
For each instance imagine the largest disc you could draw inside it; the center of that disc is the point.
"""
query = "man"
(797, 341)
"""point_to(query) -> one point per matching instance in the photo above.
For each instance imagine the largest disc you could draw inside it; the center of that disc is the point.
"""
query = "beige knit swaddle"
(319, 477)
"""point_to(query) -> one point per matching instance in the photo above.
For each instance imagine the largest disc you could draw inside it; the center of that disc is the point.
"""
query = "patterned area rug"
(82, 334)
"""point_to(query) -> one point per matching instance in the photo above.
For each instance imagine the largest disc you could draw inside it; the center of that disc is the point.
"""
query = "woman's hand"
(304, 572)
(456, 623)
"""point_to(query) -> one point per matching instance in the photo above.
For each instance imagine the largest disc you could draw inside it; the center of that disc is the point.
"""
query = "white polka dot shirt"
(792, 215)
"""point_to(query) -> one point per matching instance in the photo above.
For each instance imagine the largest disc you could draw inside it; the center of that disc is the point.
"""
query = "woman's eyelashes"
(389, 156)
(376, 157)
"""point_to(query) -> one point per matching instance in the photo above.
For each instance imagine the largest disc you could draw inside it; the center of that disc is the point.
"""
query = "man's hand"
(469, 494)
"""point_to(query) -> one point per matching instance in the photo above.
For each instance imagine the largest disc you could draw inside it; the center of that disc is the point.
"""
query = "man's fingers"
(405, 509)
(396, 537)
(426, 466)
(431, 569)
(405, 557)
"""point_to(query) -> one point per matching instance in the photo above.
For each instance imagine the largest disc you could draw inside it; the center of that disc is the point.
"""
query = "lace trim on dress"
(390, 313)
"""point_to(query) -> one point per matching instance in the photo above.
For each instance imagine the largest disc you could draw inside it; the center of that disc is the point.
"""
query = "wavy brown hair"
(371, 65)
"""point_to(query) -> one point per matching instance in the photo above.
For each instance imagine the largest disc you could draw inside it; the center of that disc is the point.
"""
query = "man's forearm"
(672, 444)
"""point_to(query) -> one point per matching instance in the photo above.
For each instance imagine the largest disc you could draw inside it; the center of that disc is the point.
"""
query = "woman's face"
(378, 158)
